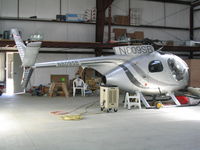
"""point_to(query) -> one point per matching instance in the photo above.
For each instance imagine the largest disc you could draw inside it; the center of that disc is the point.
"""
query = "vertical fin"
(28, 55)
(19, 43)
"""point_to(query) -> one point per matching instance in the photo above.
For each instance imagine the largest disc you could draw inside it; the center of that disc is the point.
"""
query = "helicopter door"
(156, 66)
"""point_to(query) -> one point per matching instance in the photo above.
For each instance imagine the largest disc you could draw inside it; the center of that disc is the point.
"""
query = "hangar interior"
(49, 114)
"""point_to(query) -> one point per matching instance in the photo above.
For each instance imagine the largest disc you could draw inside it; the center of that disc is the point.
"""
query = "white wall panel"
(53, 31)
(77, 6)
(9, 8)
(120, 7)
(197, 19)
(27, 8)
(0, 16)
(42, 75)
(197, 35)
(197, 24)
(81, 33)
(177, 15)
(1, 7)
(179, 36)
(26, 28)
(152, 12)
(47, 8)
(149, 10)
(1, 31)
(66, 32)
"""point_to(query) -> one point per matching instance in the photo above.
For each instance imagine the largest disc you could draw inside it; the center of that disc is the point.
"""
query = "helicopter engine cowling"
(118, 77)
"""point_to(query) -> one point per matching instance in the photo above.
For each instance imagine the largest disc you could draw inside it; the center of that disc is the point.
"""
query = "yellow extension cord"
(78, 116)
(71, 117)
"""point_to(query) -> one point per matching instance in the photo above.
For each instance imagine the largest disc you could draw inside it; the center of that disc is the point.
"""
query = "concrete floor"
(27, 124)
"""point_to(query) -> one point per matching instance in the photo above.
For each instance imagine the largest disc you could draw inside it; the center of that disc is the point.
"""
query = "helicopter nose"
(183, 68)
(186, 73)
(178, 68)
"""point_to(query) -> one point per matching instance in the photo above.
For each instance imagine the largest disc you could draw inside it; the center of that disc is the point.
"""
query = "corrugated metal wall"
(160, 14)
(153, 13)
(197, 24)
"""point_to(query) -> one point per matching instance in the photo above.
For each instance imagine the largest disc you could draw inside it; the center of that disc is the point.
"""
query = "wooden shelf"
(63, 44)
(90, 23)
(9, 44)
(152, 26)
(41, 20)
(196, 28)
(93, 45)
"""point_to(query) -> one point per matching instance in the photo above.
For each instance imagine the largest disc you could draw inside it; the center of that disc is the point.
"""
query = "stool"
(132, 100)
(58, 84)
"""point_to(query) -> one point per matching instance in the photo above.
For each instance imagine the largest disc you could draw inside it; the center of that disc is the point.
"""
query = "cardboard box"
(60, 78)
(80, 72)
(122, 20)
(45, 90)
(135, 16)
(136, 35)
(119, 32)
(74, 17)
(93, 83)
(60, 17)
(131, 35)
(107, 20)
(170, 43)
(89, 73)
(194, 73)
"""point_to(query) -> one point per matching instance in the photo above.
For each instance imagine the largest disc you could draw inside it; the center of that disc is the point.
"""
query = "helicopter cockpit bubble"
(176, 68)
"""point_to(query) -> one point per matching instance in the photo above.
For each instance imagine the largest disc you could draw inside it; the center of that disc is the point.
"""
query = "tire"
(115, 110)
(158, 104)
(102, 108)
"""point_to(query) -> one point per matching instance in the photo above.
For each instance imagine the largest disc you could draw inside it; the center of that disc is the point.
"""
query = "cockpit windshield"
(177, 70)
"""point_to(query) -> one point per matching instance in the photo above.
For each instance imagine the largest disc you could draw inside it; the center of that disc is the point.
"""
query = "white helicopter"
(132, 68)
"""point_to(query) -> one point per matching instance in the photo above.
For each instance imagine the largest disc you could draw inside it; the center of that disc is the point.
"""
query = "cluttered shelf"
(42, 20)
(150, 26)
(89, 23)
(65, 44)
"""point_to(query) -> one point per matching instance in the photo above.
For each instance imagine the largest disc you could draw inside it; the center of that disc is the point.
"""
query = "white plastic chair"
(132, 100)
(79, 84)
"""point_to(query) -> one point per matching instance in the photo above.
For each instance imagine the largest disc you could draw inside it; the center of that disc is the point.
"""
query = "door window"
(155, 66)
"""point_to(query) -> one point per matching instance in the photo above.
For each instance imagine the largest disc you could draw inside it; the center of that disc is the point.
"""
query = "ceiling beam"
(86, 45)
(72, 45)
(172, 1)
(196, 3)
(101, 6)
(191, 23)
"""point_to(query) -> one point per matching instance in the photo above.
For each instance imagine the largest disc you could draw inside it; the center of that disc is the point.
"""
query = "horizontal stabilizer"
(31, 54)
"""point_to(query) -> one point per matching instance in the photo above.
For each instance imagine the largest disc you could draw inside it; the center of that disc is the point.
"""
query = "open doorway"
(9, 73)
(14, 73)
(2, 72)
